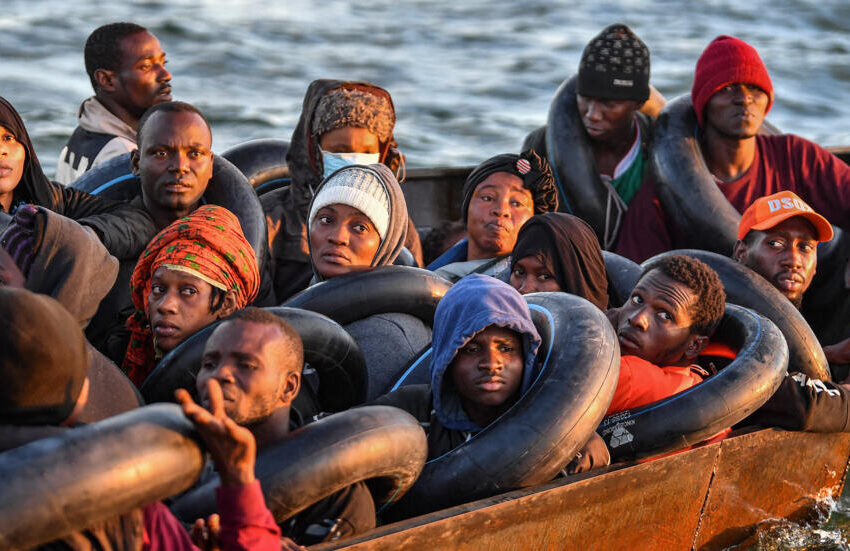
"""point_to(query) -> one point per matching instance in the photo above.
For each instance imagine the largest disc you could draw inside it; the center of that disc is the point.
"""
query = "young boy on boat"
(126, 67)
(257, 358)
(46, 387)
(499, 196)
(667, 321)
(342, 123)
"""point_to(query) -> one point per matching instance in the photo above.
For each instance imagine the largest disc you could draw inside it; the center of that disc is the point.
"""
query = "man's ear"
(82, 400)
(105, 80)
(696, 344)
(291, 386)
(228, 304)
(134, 161)
(739, 250)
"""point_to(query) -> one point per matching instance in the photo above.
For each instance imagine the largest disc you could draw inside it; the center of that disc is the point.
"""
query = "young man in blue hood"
(484, 349)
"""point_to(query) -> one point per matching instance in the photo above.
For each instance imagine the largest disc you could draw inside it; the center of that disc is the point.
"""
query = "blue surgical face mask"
(334, 161)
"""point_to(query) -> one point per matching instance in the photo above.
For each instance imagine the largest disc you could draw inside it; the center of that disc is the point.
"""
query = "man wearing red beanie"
(731, 94)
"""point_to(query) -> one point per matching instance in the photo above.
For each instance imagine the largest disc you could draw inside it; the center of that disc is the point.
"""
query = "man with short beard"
(126, 66)
(778, 238)
(257, 359)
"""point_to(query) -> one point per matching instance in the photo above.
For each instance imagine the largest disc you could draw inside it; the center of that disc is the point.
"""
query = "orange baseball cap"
(768, 211)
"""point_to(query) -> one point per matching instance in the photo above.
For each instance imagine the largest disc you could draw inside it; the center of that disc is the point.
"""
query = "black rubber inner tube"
(579, 364)
(385, 289)
(56, 486)
(687, 190)
(573, 164)
(381, 445)
(622, 274)
(747, 288)
(719, 402)
(228, 188)
(328, 349)
(262, 161)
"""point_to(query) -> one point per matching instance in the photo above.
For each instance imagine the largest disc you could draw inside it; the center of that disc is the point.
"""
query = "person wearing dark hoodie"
(499, 196)
(358, 221)
(64, 260)
(484, 352)
(559, 252)
(46, 387)
(341, 123)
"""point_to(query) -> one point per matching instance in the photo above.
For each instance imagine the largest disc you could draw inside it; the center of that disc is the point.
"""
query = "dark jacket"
(287, 208)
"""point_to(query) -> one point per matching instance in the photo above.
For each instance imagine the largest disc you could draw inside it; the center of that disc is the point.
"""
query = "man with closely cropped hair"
(126, 66)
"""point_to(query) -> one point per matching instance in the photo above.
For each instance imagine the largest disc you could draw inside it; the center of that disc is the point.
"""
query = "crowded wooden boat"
(630, 334)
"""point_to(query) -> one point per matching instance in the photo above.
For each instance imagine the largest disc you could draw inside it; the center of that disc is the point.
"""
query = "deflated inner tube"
(328, 349)
(56, 486)
(262, 161)
(385, 289)
(623, 275)
(716, 404)
(381, 445)
(227, 188)
(686, 188)
(579, 363)
(747, 288)
(580, 188)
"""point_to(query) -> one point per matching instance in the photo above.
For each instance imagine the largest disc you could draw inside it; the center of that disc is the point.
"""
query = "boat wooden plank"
(706, 498)
(596, 512)
(760, 477)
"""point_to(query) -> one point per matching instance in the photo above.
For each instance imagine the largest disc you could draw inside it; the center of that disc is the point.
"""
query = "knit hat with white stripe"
(359, 187)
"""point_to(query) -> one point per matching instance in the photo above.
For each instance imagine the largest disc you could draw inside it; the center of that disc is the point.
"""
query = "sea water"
(469, 78)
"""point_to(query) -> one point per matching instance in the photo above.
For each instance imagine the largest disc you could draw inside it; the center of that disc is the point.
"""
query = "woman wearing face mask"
(358, 221)
(559, 252)
(342, 123)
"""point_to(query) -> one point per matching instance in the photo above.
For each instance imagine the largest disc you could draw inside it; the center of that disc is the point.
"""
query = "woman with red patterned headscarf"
(194, 272)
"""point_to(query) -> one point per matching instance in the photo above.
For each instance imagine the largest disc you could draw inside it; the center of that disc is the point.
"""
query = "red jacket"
(642, 382)
(246, 523)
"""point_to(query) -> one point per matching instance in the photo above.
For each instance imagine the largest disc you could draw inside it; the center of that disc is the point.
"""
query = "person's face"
(607, 120)
(655, 322)
(737, 111)
(342, 240)
(349, 140)
(174, 161)
(500, 205)
(785, 255)
(252, 363)
(178, 306)
(530, 275)
(13, 156)
(142, 79)
(487, 372)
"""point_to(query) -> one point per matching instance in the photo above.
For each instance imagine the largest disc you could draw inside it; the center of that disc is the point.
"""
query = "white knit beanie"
(358, 187)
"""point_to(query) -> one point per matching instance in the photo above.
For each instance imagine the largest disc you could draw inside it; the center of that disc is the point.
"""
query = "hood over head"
(34, 187)
(569, 248)
(375, 192)
(471, 305)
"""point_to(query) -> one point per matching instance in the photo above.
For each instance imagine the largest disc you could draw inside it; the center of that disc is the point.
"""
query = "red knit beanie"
(727, 60)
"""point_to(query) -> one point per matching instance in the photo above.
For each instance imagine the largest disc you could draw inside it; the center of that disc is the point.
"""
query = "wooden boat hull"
(706, 498)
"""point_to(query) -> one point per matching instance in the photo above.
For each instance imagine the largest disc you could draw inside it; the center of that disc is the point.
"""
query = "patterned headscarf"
(208, 244)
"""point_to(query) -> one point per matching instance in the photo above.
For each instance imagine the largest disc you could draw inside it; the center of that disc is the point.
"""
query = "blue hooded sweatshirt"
(471, 305)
